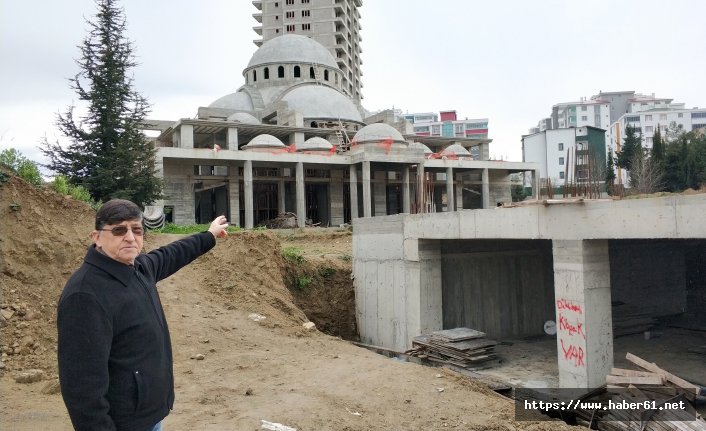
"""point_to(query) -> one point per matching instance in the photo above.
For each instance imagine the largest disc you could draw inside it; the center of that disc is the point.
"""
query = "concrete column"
(281, 206)
(186, 136)
(535, 184)
(248, 198)
(234, 195)
(583, 312)
(485, 151)
(336, 197)
(232, 139)
(301, 196)
(379, 187)
(449, 189)
(485, 189)
(296, 138)
(430, 305)
(420, 187)
(354, 191)
(367, 204)
(405, 190)
(459, 192)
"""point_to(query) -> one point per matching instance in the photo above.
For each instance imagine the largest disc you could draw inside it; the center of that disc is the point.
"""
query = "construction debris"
(282, 221)
(461, 347)
(629, 320)
(648, 399)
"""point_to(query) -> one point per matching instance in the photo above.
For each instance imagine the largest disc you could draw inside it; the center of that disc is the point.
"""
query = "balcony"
(257, 42)
(258, 17)
(358, 3)
(257, 4)
(258, 30)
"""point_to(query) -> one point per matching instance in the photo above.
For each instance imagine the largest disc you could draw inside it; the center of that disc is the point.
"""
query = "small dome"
(419, 145)
(244, 117)
(378, 132)
(239, 101)
(457, 150)
(320, 101)
(264, 141)
(315, 144)
(292, 48)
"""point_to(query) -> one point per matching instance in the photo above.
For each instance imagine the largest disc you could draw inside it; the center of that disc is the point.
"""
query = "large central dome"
(292, 48)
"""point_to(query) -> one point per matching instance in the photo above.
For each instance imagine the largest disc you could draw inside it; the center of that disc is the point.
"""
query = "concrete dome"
(378, 132)
(244, 117)
(320, 101)
(456, 149)
(292, 48)
(419, 145)
(239, 101)
(264, 141)
(315, 144)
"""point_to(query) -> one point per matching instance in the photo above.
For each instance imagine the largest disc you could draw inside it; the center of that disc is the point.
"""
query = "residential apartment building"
(647, 122)
(335, 24)
(447, 125)
(555, 149)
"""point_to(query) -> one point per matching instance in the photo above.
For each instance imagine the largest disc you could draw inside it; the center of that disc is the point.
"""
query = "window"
(297, 72)
(632, 119)
(680, 115)
(325, 75)
(561, 146)
(663, 117)
(312, 75)
(649, 129)
(276, 4)
(276, 17)
(584, 118)
(280, 72)
(290, 14)
(267, 73)
(648, 117)
(254, 75)
(561, 161)
(306, 26)
(436, 130)
(584, 108)
(290, 2)
(648, 141)
(290, 28)
(458, 128)
(306, 13)
(305, 1)
(561, 175)
(698, 115)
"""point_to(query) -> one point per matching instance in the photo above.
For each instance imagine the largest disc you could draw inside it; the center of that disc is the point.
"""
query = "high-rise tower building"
(333, 23)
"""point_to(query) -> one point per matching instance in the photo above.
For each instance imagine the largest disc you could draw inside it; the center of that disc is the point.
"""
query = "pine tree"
(609, 176)
(107, 153)
(657, 146)
(630, 149)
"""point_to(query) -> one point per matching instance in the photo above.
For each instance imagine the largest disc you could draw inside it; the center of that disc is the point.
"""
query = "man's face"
(122, 247)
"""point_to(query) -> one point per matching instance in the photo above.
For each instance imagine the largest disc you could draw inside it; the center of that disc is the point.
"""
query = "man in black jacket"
(115, 355)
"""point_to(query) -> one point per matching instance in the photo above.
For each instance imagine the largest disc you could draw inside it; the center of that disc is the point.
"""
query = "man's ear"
(94, 236)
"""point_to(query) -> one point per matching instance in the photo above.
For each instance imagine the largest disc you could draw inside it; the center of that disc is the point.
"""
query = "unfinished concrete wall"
(499, 187)
(179, 190)
(503, 288)
(649, 276)
(695, 263)
(337, 198)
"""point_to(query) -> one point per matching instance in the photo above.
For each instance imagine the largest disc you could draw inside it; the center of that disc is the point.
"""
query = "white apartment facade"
(647, 122)
(335, 24)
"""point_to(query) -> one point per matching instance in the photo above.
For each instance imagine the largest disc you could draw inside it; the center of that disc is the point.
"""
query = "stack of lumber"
(461, 347)
(649, 383)
(628, 320)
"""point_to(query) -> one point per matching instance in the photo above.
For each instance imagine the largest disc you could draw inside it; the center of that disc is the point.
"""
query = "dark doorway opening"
(210, 203)
(317, 204)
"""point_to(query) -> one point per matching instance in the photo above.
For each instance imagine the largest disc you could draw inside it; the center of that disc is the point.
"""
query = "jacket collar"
(118, 270)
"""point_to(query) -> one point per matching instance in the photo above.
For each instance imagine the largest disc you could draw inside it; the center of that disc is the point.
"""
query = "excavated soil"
(253, 369)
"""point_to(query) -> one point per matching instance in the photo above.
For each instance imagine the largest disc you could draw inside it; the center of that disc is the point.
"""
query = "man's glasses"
(122, 230)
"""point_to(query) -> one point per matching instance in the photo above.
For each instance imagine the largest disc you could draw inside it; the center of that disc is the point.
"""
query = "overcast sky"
(509, 61)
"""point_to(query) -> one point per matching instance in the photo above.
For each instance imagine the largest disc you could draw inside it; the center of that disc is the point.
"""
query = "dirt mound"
(43, 238)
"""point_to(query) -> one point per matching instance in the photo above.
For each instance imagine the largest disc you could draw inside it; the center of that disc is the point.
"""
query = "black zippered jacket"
(115, 355)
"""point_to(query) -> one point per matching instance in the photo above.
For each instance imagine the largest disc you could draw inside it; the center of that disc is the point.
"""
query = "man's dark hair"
(116, 211)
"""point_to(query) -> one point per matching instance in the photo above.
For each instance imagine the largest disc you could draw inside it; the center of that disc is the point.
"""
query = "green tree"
(674, 165)
(657, 146)
(21, 166)
(107, 154)
(695, 175)
(609, 175)
(630, 149)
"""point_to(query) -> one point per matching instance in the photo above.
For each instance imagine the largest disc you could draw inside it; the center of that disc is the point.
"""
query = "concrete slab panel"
(506, 223)
(690, 214)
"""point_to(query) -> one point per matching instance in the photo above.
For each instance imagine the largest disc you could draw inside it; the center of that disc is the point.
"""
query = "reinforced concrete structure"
(506, 271)
(291, 140)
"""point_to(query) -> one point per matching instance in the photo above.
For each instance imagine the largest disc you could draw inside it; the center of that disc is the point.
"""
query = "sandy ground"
(273, 369)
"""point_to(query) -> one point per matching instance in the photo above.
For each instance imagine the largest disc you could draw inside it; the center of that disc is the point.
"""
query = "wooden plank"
(457, 334)
(634, 380)
(677, 381)
(631, 373)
